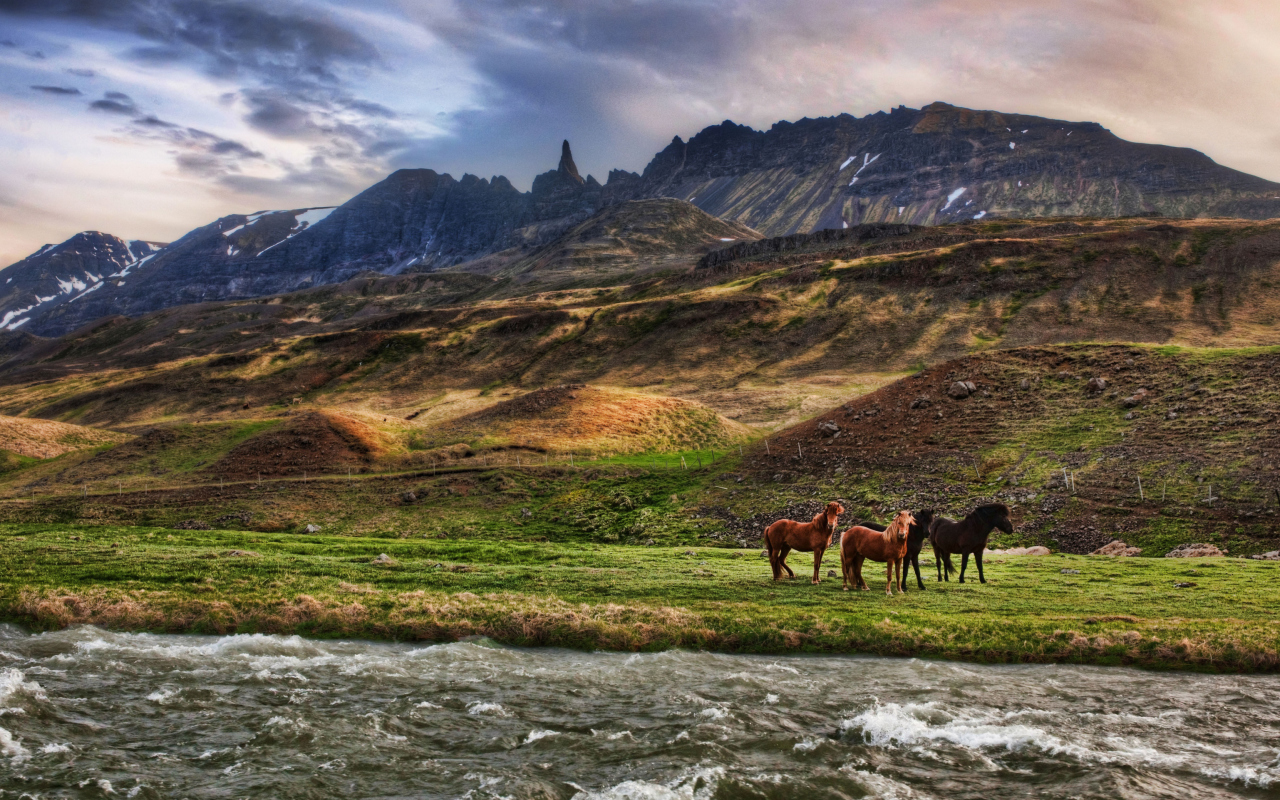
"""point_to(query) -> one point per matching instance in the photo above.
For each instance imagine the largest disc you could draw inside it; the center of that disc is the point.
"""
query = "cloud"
(82, 73)
(280, 44)
(57, 90)
(620, 77)
(115, 103)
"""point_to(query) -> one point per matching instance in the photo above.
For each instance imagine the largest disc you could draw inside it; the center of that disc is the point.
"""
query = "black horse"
(969, 535)
(916, 534)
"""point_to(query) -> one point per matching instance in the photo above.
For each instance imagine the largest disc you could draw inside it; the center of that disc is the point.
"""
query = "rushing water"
(85, 713)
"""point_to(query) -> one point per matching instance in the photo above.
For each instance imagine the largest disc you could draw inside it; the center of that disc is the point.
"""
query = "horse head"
(922, 523)
(831, 516)
(997, 515)
(898, 529)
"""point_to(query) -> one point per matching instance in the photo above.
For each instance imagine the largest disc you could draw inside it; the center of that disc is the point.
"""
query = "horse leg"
(857, 570)
(977, 559)
(937, 560)
(915, 562)
(782, 559)
(964, 562)
(888, 578)
(817, 562)
(844, 570)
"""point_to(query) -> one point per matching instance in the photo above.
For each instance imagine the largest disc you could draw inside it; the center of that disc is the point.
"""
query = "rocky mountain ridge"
(936, 165)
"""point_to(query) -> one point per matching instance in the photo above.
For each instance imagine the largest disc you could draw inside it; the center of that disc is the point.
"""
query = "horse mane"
(992, 510)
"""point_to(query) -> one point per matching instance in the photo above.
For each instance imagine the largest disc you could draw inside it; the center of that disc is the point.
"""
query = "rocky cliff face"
(935, 165)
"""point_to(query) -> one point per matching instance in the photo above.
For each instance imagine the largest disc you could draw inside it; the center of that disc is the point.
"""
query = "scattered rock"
(1129, 415)
(831, 573)
(240, 553)
(1070, 572)
(409, 496)
(923, 401)
(961, 389)
(649, 542)
(313, 528)
(383, 558)
(242, 517)
(1195, 550)
(689, 553)
(1116, 548)
(1274, 555)
(1135, 399)
(1171, 415)
(1024, 384)
(735, 555)
(1183, 585)
(1096, 385)
(828, 428)
(192, 525)
(1064, 375)
(1035, 550)
(764, 553)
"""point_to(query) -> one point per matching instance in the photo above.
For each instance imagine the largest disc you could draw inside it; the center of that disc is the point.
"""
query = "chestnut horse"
(916, 536)
(890, 546)
(786, 535)
(969, 535)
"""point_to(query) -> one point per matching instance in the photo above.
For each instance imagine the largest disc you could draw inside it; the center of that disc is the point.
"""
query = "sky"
(147, 118)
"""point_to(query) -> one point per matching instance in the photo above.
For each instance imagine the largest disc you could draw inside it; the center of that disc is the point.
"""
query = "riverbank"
(1052, 609)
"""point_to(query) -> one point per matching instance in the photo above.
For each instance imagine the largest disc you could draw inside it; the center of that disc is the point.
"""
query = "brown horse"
(969, 535)
(916, 536)
(786, 535)
(890, 546)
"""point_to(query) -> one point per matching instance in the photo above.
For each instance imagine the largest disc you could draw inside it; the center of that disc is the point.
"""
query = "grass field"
(1033, 609)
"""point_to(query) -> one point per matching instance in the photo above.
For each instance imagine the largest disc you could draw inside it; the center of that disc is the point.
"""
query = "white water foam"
(476, 709)
(536, 735)
(11, 747)
(696, 785)
(912, 724)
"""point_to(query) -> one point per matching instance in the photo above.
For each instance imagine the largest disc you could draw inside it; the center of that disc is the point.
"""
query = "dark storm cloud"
(57, 90)
(115, 103)
(225, 38)
(196, 152)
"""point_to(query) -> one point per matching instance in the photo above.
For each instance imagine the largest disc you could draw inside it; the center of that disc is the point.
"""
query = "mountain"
(94, 275)
(936, 165)
(628, 238)
(64, 273)
(414, 220)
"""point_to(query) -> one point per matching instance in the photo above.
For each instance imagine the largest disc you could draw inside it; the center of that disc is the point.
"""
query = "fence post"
(766, 448)
(1141, 496)
(683, 465)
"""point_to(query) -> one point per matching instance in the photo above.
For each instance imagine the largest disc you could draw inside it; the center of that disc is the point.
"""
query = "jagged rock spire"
(567, 167)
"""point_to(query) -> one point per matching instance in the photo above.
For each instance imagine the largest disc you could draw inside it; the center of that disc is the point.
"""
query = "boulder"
(1116, 548)
(1195, 550)
(1274, 555)
(383, 558)
(960, 390)
(1096, 385)
(1134, 400)
(1024, 384)
(923, 401)
(828, 428)
(409, 496)
(313, 528)
(1035, 550)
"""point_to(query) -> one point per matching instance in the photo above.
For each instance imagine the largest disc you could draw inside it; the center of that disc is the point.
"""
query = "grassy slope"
(1124, 611)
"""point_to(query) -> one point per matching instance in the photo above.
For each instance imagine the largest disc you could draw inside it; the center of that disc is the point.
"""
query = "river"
(87, 713)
